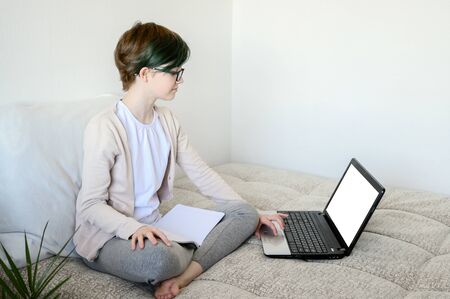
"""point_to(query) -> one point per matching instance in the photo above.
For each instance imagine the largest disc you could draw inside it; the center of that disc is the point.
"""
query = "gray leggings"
(156, 263)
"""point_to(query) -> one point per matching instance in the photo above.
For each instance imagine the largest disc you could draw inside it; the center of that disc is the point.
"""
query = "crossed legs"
(171, 268)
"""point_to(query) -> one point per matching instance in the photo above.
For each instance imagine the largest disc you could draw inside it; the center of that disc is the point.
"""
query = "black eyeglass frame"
(179, 73)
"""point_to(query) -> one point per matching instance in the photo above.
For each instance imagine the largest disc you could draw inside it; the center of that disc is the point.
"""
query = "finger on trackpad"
(266, 230)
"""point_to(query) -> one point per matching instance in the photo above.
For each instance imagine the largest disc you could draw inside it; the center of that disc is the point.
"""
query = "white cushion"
(40, 171)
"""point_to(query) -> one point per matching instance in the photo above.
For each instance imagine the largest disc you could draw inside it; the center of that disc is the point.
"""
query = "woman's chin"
(168, 97)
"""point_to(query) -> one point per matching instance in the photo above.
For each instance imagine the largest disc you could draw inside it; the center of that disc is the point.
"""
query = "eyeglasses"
(179, 73)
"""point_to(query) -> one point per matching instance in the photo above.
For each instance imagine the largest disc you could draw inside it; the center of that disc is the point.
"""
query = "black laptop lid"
(352, 203)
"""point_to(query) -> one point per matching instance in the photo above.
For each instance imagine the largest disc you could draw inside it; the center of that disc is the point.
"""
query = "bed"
(404, 251)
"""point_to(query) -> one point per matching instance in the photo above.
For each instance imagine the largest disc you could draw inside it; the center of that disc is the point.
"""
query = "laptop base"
(278, 246)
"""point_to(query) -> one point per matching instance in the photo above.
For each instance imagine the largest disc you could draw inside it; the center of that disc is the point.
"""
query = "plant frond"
(14, 275)
(56, 288)
(38, 256)
(29, 266)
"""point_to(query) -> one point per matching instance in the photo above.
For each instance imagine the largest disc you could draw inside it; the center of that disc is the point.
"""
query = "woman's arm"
(100, 152)
(210, 183)
(207, 180)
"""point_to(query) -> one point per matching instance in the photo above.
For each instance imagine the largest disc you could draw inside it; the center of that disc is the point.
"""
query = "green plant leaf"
(37, 282)
(8, 274)
(38, 256)
(54, 272)
(29, 265)
(45, 279)
(18, 282)
(48, 268)
(56, 288)
(6, 289)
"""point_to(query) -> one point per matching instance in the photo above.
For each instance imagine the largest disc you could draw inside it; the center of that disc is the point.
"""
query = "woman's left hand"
(267, 220)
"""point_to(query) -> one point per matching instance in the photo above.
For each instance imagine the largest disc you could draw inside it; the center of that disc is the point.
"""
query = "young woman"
(130, 151)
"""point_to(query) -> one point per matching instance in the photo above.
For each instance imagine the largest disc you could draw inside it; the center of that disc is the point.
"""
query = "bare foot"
(168, 289)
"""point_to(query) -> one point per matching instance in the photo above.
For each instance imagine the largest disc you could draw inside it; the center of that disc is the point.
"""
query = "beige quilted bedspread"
(403, 253)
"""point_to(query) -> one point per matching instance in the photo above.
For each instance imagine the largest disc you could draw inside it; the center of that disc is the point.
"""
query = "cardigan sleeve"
(100, 150)
(207, 180)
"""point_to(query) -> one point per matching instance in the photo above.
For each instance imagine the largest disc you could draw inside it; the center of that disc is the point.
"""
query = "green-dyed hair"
(148, 45)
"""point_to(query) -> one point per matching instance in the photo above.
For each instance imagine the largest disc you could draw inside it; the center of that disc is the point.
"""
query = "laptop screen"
(351, 203)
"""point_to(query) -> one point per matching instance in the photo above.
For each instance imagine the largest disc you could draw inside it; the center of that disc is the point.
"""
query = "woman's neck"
(140, 106)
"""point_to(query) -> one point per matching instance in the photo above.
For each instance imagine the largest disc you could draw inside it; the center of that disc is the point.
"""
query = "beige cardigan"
(105, 203)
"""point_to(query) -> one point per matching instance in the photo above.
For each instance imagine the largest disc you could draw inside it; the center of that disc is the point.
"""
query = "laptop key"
(301, 232)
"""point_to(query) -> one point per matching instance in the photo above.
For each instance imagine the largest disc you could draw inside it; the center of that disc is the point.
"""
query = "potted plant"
(35, 283)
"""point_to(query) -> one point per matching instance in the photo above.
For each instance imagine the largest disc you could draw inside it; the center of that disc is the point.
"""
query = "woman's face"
(164, 85)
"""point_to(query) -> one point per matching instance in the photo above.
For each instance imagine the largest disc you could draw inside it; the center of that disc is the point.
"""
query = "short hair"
(148, 45)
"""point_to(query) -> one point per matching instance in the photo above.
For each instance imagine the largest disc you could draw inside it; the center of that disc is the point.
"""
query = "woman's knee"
(167, 262)
(163, 258)
(243, 211)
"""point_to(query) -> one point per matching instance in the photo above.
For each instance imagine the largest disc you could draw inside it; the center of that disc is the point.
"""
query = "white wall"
(53, 50)
(315, 83)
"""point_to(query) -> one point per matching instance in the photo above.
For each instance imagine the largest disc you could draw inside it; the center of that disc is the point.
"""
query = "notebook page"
(188, 224)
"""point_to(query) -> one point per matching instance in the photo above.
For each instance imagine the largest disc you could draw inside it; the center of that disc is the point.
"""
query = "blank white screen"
(351, 203)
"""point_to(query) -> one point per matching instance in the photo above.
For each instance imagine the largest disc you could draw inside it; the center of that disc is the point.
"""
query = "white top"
(149, 147)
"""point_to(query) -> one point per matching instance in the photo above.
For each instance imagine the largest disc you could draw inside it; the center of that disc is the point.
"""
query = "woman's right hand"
(150, 233)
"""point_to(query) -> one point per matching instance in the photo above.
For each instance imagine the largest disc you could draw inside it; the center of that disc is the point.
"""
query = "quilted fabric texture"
(403, 253)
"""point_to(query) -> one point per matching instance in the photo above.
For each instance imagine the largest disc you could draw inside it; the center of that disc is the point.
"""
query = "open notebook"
(184, 224)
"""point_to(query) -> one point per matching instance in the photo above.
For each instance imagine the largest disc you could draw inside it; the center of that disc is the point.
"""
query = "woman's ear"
(143, 73)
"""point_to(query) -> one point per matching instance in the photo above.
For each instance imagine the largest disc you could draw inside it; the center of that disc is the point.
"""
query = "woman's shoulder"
(102, 131)
(105, 117)
(104, 122)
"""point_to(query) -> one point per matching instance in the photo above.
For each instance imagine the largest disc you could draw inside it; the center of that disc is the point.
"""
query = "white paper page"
(184, 223)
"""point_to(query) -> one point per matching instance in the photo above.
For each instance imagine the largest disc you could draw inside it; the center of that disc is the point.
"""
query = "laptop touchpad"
(274, 245)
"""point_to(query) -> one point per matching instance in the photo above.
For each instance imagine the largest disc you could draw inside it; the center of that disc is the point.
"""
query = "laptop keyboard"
(301, 233)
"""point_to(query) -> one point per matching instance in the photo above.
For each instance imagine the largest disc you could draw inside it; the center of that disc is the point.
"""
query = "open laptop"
(332, 233)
